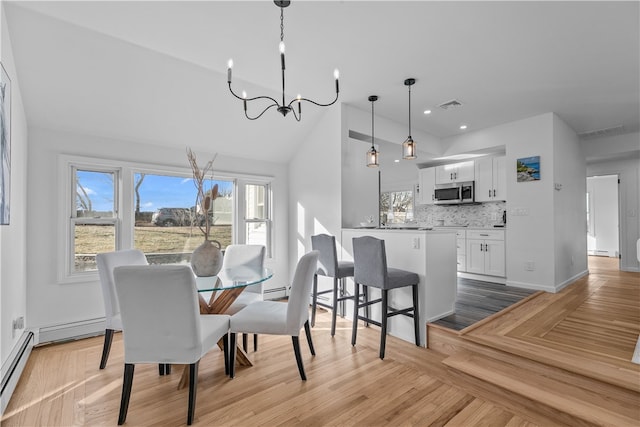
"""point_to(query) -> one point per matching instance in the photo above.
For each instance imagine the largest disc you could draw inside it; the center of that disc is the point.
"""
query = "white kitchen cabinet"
(455, 172)
(491, 179)
(485, 252)
(427, 180)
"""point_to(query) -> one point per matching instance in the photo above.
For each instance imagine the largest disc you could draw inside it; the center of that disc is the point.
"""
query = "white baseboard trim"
(13, 367)
(533, 286)
(547, 288)
(275, 293)
(71, 331)
(440, 316)
(483, 277)
(569, 281)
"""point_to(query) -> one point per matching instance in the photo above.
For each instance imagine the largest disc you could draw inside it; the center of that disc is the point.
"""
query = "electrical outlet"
(416, 243)
(529, 265)
(494, 216)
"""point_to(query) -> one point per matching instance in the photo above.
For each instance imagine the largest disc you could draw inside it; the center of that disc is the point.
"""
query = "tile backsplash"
(481, 215)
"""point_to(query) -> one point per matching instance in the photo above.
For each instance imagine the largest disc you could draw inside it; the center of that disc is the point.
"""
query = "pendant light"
(372, 154)
(408, 146)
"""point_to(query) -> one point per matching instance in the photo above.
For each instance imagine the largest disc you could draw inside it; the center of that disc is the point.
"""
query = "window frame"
(124, 205)
(268, 209)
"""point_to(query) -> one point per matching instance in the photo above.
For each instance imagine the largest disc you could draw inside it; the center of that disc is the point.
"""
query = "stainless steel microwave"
(454, 193)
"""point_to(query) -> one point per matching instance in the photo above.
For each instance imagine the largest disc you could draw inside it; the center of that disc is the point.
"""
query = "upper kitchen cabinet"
(455, 172)
(491, 179)
(427, 181)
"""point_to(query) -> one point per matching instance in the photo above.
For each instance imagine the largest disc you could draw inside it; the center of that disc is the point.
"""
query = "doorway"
(603, 234)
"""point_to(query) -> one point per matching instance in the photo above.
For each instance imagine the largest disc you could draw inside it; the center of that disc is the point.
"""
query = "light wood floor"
(464, 383)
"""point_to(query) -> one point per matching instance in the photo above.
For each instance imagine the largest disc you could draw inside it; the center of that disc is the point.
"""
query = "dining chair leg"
(225, 352)
(314, 299)
(244, 342)
(193, 386)
(383, 332)
(167, 369)
(416, 316)
(307, 331)
(232, 355)
(335, 306)
(126, 392)
(106, 347)
(356, 305)
(296, 350)
(367, 314)
(255, 342)
(161, 369)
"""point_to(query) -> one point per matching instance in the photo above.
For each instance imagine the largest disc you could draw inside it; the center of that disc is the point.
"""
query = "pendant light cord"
(409, 111)
(372, 137)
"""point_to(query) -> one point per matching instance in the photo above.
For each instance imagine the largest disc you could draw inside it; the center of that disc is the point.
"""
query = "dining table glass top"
(230, 278)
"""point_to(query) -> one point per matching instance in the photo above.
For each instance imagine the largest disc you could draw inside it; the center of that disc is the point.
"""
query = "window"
(168, 225)
(112, 207)
(94, 216)
(257, 217)
(396, 207)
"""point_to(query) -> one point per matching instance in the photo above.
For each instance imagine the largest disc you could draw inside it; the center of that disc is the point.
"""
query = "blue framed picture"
(528, 169)
(5, 149)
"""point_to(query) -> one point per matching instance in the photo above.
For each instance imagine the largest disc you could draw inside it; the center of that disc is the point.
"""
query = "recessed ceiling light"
(427, 111)
(396, 161)
(463, 127)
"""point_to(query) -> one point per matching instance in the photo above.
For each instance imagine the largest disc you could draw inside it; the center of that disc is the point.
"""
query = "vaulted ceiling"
(156, 71)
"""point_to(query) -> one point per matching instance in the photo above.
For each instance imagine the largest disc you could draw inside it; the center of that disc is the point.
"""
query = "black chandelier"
(283, 108)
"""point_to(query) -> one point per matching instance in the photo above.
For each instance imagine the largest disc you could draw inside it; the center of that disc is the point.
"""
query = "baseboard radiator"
(14, 366)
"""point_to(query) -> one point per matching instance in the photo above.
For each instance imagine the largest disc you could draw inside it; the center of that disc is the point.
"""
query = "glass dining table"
(217, 293)
(223, 289)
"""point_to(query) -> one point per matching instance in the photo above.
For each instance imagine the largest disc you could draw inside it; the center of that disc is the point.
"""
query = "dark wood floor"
(477, 300)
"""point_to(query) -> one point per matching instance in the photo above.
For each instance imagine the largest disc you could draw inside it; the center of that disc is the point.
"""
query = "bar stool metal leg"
(356, 304)
(383, 326)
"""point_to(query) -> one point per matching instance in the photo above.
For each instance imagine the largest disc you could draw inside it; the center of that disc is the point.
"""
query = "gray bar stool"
(328, 265)
(370, 260)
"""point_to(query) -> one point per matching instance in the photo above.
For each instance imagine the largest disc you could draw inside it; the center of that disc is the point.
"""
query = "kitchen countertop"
(418, 228)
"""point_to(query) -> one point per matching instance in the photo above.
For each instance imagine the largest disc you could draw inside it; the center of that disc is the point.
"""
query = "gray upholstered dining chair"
(280, 318)
(162, 324)
(250, 256)
(329, 266)
(106, 262)
(370, 259)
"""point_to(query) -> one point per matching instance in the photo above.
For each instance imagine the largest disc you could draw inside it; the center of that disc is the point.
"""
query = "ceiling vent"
(616, 130)
(450, 105)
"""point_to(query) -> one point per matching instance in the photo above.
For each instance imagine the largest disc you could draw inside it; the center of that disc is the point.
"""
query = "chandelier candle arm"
(283, 108)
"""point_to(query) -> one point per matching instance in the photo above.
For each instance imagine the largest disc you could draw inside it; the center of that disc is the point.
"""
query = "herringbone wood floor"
(346, 385)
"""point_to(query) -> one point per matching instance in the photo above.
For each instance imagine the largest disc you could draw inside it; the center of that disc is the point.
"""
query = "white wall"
(360, 183)
(13, 295)
(52, 303)
(531, 210)
(569, 205)
(314, 185)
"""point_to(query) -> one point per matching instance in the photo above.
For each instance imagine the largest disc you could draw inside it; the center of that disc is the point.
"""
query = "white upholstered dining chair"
(162, 324)
(280, 318)
(250, 256)
(106, 263)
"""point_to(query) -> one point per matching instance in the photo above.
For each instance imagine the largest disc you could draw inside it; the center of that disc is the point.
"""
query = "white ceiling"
(156, 71)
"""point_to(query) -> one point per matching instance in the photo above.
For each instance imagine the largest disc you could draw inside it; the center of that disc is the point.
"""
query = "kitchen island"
(429, 253)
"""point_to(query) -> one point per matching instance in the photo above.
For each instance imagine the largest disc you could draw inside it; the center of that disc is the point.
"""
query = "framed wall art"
(528, 169)
(5, 135)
